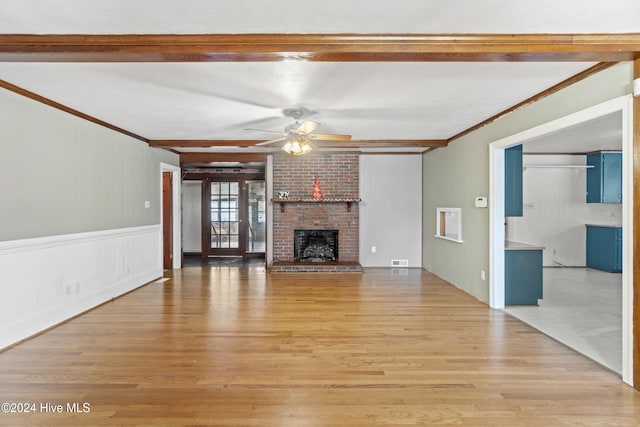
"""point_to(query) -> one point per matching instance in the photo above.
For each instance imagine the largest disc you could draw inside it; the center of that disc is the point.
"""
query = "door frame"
(622, 104)
(175, 214)
(167, 226)
(247, 223)
(206, 178)
(206, 217)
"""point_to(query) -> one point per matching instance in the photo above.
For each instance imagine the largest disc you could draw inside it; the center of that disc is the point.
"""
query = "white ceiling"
(602, 133)
(308, 17)
(381, 100)
(219, 100)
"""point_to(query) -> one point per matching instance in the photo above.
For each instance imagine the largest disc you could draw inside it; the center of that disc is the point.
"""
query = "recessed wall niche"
(449, 224)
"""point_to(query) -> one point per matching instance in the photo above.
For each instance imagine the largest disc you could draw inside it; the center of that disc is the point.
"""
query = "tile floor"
(581, 308)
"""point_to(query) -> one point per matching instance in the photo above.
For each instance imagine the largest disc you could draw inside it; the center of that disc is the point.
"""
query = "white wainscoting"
(44, 281)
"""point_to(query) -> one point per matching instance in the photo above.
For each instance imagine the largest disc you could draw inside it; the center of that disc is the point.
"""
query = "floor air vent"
(399, 263)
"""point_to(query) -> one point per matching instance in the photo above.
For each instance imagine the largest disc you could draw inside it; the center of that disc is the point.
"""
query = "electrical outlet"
(373, 249)
(483, 276)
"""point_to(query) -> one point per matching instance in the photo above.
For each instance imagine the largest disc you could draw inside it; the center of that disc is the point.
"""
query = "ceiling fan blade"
(271, 141)
(330, 137)
(308, 127)
(270, 122)
(264, 130)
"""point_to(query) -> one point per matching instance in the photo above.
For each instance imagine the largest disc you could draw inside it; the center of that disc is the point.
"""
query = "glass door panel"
(225, 215)
(256, 211)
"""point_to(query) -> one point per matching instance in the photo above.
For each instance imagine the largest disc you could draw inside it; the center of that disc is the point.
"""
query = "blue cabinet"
(604, 178)
(522, 276)
(604, 248)
(513, 181)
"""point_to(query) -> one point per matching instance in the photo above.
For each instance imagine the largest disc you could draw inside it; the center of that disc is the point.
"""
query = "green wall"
(455, 175)
(60, 174)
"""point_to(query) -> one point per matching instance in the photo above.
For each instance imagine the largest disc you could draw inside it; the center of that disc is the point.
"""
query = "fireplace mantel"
(283, 202)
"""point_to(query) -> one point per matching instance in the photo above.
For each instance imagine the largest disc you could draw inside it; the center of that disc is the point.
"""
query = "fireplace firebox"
(315, 245)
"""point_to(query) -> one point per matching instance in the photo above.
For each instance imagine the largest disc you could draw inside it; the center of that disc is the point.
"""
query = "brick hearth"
(338, 175)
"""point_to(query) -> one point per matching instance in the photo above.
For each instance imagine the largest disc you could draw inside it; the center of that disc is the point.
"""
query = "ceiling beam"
(318, 47)
(324, 144)
(204, 142)
(221, 157)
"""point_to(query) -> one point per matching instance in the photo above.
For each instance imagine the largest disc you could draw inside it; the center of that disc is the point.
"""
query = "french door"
(233, 215)
(225, 232)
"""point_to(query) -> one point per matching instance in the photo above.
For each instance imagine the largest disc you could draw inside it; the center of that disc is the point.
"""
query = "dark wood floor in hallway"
(222, 346)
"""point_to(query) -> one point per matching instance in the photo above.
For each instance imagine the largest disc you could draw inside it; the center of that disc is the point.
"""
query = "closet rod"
(560, 166)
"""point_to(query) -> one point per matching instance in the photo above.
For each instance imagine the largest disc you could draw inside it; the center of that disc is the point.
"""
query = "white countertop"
(605, 225)
(518, 246)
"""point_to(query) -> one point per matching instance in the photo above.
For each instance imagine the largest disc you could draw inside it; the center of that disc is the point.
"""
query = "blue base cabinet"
(604, 248)
(522, 277)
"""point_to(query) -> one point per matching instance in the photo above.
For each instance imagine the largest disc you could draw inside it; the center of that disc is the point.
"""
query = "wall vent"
(399, 263)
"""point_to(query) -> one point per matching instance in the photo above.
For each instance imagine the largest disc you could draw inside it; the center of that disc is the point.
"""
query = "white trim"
(627, 241)
(39, 243)
(451, 239)
(176, 181)
(623, 104)
(51, 279)
(268, 170)
(496, 227)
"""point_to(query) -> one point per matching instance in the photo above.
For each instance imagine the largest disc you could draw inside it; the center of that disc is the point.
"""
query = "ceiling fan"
(298, 138)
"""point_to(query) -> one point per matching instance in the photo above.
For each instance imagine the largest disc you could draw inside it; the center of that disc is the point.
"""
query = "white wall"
(555, 211)
(192, 216)
(391, 209)
(76, 227)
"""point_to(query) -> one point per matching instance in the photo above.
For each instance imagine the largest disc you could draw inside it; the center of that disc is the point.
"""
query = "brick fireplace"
(338, 176)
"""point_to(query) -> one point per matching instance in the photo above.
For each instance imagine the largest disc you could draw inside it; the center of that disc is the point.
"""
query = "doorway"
(225, 212)
(236, 222)
(170, 216)
(234, 217)
(497, 229)
(167, 220)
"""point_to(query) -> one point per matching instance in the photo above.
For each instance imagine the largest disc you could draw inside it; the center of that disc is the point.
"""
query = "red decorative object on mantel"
(317, 193)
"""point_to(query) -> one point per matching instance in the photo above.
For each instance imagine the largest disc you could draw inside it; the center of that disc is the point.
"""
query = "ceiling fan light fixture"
(296, 147)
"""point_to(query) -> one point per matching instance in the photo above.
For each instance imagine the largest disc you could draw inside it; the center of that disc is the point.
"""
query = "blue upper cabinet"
(513, 181)
(604, 179)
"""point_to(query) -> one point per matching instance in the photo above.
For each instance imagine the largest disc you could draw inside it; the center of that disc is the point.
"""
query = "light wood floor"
(229, 346)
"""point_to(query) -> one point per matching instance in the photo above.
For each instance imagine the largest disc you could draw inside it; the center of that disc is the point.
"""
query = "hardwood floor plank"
(236, 346)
